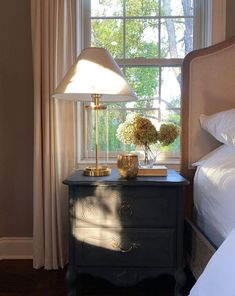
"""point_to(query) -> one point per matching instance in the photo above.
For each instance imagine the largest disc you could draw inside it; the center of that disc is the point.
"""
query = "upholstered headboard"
(208, 86)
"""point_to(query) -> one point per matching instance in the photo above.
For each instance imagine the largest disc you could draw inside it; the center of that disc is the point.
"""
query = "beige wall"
(16, 115)
(230, 19)
(16, 119)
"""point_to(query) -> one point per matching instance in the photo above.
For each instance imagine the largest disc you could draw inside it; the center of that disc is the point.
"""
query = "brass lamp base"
(94, 171)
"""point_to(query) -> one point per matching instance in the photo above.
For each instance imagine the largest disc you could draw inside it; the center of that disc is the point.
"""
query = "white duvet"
(218, 278)
(214, 193)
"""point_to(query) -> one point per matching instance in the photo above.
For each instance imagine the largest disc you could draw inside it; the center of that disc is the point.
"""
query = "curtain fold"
(54, 51)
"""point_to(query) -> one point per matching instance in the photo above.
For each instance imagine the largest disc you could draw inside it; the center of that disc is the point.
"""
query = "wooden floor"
(18, 278)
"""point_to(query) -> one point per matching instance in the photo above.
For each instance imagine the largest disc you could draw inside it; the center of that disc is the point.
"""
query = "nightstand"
(125, 230)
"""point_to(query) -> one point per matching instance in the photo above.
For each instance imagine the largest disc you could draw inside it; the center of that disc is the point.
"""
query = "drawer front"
(129, 247)
(125, 206)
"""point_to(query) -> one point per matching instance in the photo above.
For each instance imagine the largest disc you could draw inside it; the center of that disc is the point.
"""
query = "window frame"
(204, 13)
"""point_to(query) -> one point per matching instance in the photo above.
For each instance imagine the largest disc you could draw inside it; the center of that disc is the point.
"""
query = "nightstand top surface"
(172, 179)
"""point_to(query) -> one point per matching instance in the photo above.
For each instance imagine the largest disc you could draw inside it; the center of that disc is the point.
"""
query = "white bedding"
(214, 194)
(218, 278)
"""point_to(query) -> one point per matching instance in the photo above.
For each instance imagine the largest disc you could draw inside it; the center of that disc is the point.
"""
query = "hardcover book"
(157, 170)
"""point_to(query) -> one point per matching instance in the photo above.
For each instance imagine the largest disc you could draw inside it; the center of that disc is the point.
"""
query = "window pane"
(108, 34)
(177, 7)
(119, 116)
(152, 115)
(142, 8)
(176, 37)
(170, 87)
(172, 116)
(91, 132)
(141, 38)
(115, 117)
(106, 7)
(145, 82)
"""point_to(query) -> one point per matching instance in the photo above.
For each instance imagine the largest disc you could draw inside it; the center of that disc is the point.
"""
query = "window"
(148, 39)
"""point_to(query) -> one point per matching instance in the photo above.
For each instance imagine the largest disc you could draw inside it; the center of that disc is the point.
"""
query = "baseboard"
(16, 248)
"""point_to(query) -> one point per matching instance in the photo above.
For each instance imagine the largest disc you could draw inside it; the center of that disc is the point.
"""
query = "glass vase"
(148, 158)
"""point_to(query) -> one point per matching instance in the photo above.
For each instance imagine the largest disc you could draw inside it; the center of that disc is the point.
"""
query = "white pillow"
(221, 126)
(202, 160)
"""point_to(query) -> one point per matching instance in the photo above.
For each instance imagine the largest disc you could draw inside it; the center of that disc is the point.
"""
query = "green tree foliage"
(108, 33)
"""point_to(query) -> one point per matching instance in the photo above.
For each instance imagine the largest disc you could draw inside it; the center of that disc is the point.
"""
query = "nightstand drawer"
(129, 247)
(116, 206)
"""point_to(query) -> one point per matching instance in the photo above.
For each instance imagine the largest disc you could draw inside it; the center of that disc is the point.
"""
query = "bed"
(208, 87)
(214, 194)
(218, 277)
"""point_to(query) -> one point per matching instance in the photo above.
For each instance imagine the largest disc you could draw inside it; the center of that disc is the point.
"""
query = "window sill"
(169, 163)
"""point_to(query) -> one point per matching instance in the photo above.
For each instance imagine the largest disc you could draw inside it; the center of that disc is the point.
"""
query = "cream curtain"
(54, 51)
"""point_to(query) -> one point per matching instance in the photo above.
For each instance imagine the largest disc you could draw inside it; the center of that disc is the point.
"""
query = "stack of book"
(158, 170)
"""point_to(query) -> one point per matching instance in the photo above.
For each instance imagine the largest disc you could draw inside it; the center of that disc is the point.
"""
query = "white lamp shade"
(94, 72)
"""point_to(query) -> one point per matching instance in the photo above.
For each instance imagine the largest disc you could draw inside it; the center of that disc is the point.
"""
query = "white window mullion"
(159, 30)
(160, 94)
(139, 17)
(149, 62)
(86, 23)
(124, 29)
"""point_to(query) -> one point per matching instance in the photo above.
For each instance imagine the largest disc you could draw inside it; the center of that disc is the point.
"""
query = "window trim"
(212, 22)
(218, 21)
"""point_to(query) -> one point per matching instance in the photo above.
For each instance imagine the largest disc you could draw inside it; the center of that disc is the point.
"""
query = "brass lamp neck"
(96, 99)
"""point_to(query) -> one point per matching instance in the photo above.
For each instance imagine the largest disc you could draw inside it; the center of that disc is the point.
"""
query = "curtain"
(54, 51)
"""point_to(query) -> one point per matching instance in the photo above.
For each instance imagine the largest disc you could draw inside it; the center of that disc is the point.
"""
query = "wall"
(230, 19)
(16, 119)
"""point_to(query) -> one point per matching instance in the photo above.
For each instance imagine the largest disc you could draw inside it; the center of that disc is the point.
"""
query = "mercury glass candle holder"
(127, 165)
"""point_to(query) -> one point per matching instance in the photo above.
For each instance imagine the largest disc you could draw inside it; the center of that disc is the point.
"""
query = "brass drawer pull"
(125, 209)
(132, 247)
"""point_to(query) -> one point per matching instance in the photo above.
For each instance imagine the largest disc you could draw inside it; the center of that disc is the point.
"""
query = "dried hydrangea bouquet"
(140, 132)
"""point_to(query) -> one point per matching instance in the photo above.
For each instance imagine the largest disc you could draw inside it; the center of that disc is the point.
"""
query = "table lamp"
(96, 77)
